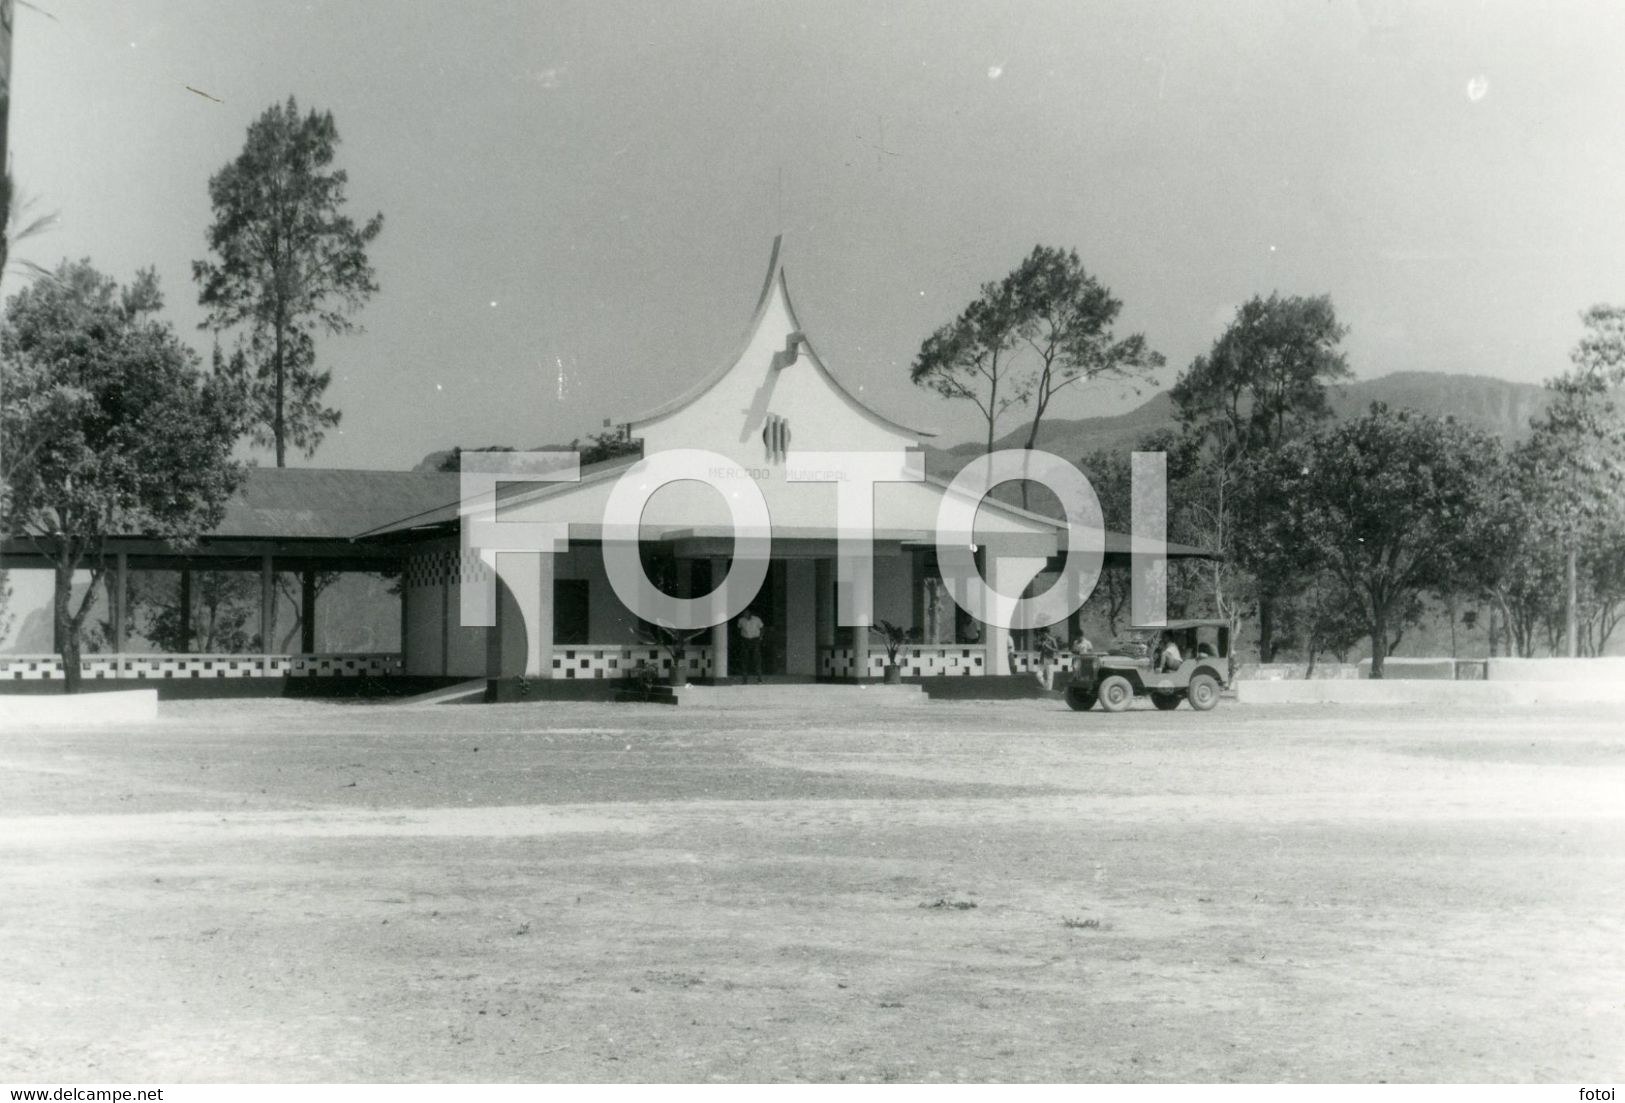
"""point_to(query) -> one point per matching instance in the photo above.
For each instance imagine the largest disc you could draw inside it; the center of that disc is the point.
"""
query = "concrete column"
(121, 603)
(186, 609)
(823, 611)
(405, 605)
(448, 583)
(916, 589)
(824, 602)
(800, 617)
(719, 632)
(493, 634)
(995, 634)
(539, 649)
(1006, 575)
(307, 611)
(861, 640)
(525, 591)
(267, 603)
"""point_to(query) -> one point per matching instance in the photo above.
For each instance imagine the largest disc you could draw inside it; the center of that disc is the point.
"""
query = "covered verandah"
(278, 590)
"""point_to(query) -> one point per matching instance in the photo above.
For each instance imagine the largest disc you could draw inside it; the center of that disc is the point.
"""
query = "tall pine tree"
(287, 263)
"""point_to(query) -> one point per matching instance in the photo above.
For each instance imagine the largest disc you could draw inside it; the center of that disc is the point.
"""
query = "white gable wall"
(728, 417)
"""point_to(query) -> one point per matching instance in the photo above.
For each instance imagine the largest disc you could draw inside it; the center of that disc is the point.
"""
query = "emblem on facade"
(776, 437)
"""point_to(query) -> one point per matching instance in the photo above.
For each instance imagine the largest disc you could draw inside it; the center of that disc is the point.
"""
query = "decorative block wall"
(589, 661)
(931, 661)
(158, 667)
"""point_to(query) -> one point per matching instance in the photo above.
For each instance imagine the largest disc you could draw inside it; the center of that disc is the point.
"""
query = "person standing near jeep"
(750, 634)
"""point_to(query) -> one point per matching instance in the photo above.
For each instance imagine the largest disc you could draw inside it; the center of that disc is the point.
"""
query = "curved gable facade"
(775, 393)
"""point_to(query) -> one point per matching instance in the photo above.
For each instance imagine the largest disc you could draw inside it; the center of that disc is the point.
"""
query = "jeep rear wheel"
(1116, 694)
(1204, 692)
(1167, 702)
(1079, 698)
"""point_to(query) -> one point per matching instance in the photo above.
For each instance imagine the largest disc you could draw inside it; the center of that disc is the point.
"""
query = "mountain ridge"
(1501, 407)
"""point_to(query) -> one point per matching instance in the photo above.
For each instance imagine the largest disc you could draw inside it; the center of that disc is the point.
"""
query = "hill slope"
(1498, 406)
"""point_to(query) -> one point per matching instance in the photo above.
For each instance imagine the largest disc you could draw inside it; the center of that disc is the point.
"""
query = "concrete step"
(472, 690)
(868, 695)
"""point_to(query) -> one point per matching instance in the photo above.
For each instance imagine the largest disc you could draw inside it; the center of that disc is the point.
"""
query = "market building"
(559, 624)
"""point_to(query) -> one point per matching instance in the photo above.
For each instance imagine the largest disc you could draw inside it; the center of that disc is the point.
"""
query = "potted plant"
(894, 638)
(674, 642)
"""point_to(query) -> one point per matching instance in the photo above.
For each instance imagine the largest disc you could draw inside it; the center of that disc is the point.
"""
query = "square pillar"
(800, 617)
(719, 632)
(521, 641)
(1008, 576)
(448, 582)
(996, 634)
(824, 602)
(916, 589)
(861, 638)
(186, 610)
(405, 605)
(267, 604)
(539, 632)
(121, 603)
(493, 634)
(307, 611)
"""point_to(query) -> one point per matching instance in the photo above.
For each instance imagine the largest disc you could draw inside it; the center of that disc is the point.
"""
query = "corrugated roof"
(448, 512)
(444, 514)
(330, 503)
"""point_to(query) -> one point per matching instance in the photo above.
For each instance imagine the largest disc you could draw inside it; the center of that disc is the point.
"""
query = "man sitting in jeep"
(1168, 656)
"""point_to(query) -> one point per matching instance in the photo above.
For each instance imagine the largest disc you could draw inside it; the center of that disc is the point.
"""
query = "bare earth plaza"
(960, 891)
(551, 546)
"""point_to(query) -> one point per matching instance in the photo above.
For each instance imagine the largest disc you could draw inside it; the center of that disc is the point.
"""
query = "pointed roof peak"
(775, 278)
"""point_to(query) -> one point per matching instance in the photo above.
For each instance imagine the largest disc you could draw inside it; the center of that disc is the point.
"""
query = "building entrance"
(771, 606)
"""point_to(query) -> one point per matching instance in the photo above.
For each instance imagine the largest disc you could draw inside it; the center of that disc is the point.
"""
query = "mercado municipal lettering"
(767, 484)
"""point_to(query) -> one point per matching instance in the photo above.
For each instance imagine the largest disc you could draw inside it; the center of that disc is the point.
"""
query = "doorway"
(772, 607)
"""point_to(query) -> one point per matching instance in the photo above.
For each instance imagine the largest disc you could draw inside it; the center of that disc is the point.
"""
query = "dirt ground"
(287, 891)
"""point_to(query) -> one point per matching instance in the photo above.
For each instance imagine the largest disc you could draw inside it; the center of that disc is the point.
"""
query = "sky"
(580, 198)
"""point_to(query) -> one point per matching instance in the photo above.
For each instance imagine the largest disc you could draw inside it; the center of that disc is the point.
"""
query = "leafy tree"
(120, 430)
(1577, 452)
(1261, 385)
(597, 448)
(1391, 506)
(1524, 575)
(224, 615)
(1603, 565)
(8, 616)
(453, 461)
(1043, 328)
(1333, 619)
(287, 264)
(607, 445)
(1111, 475)
(1064, 317)
(970, 358)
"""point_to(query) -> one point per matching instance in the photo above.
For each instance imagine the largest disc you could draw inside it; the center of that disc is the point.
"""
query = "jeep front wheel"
(1079, 699)
(1116, 694)
(1204, 692)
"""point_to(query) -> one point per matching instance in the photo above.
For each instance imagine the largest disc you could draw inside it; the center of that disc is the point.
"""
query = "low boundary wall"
(187, 689)
(1401, 691)
(130, 706)
(1606, 668)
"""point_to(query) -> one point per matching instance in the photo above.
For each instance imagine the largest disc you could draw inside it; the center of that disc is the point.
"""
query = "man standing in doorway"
(750, 634)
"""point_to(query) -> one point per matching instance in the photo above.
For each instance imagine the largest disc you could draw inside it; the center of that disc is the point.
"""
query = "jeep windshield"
(1136, 642)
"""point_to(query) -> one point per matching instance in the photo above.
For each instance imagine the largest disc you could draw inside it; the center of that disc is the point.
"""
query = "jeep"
(1133, 668)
